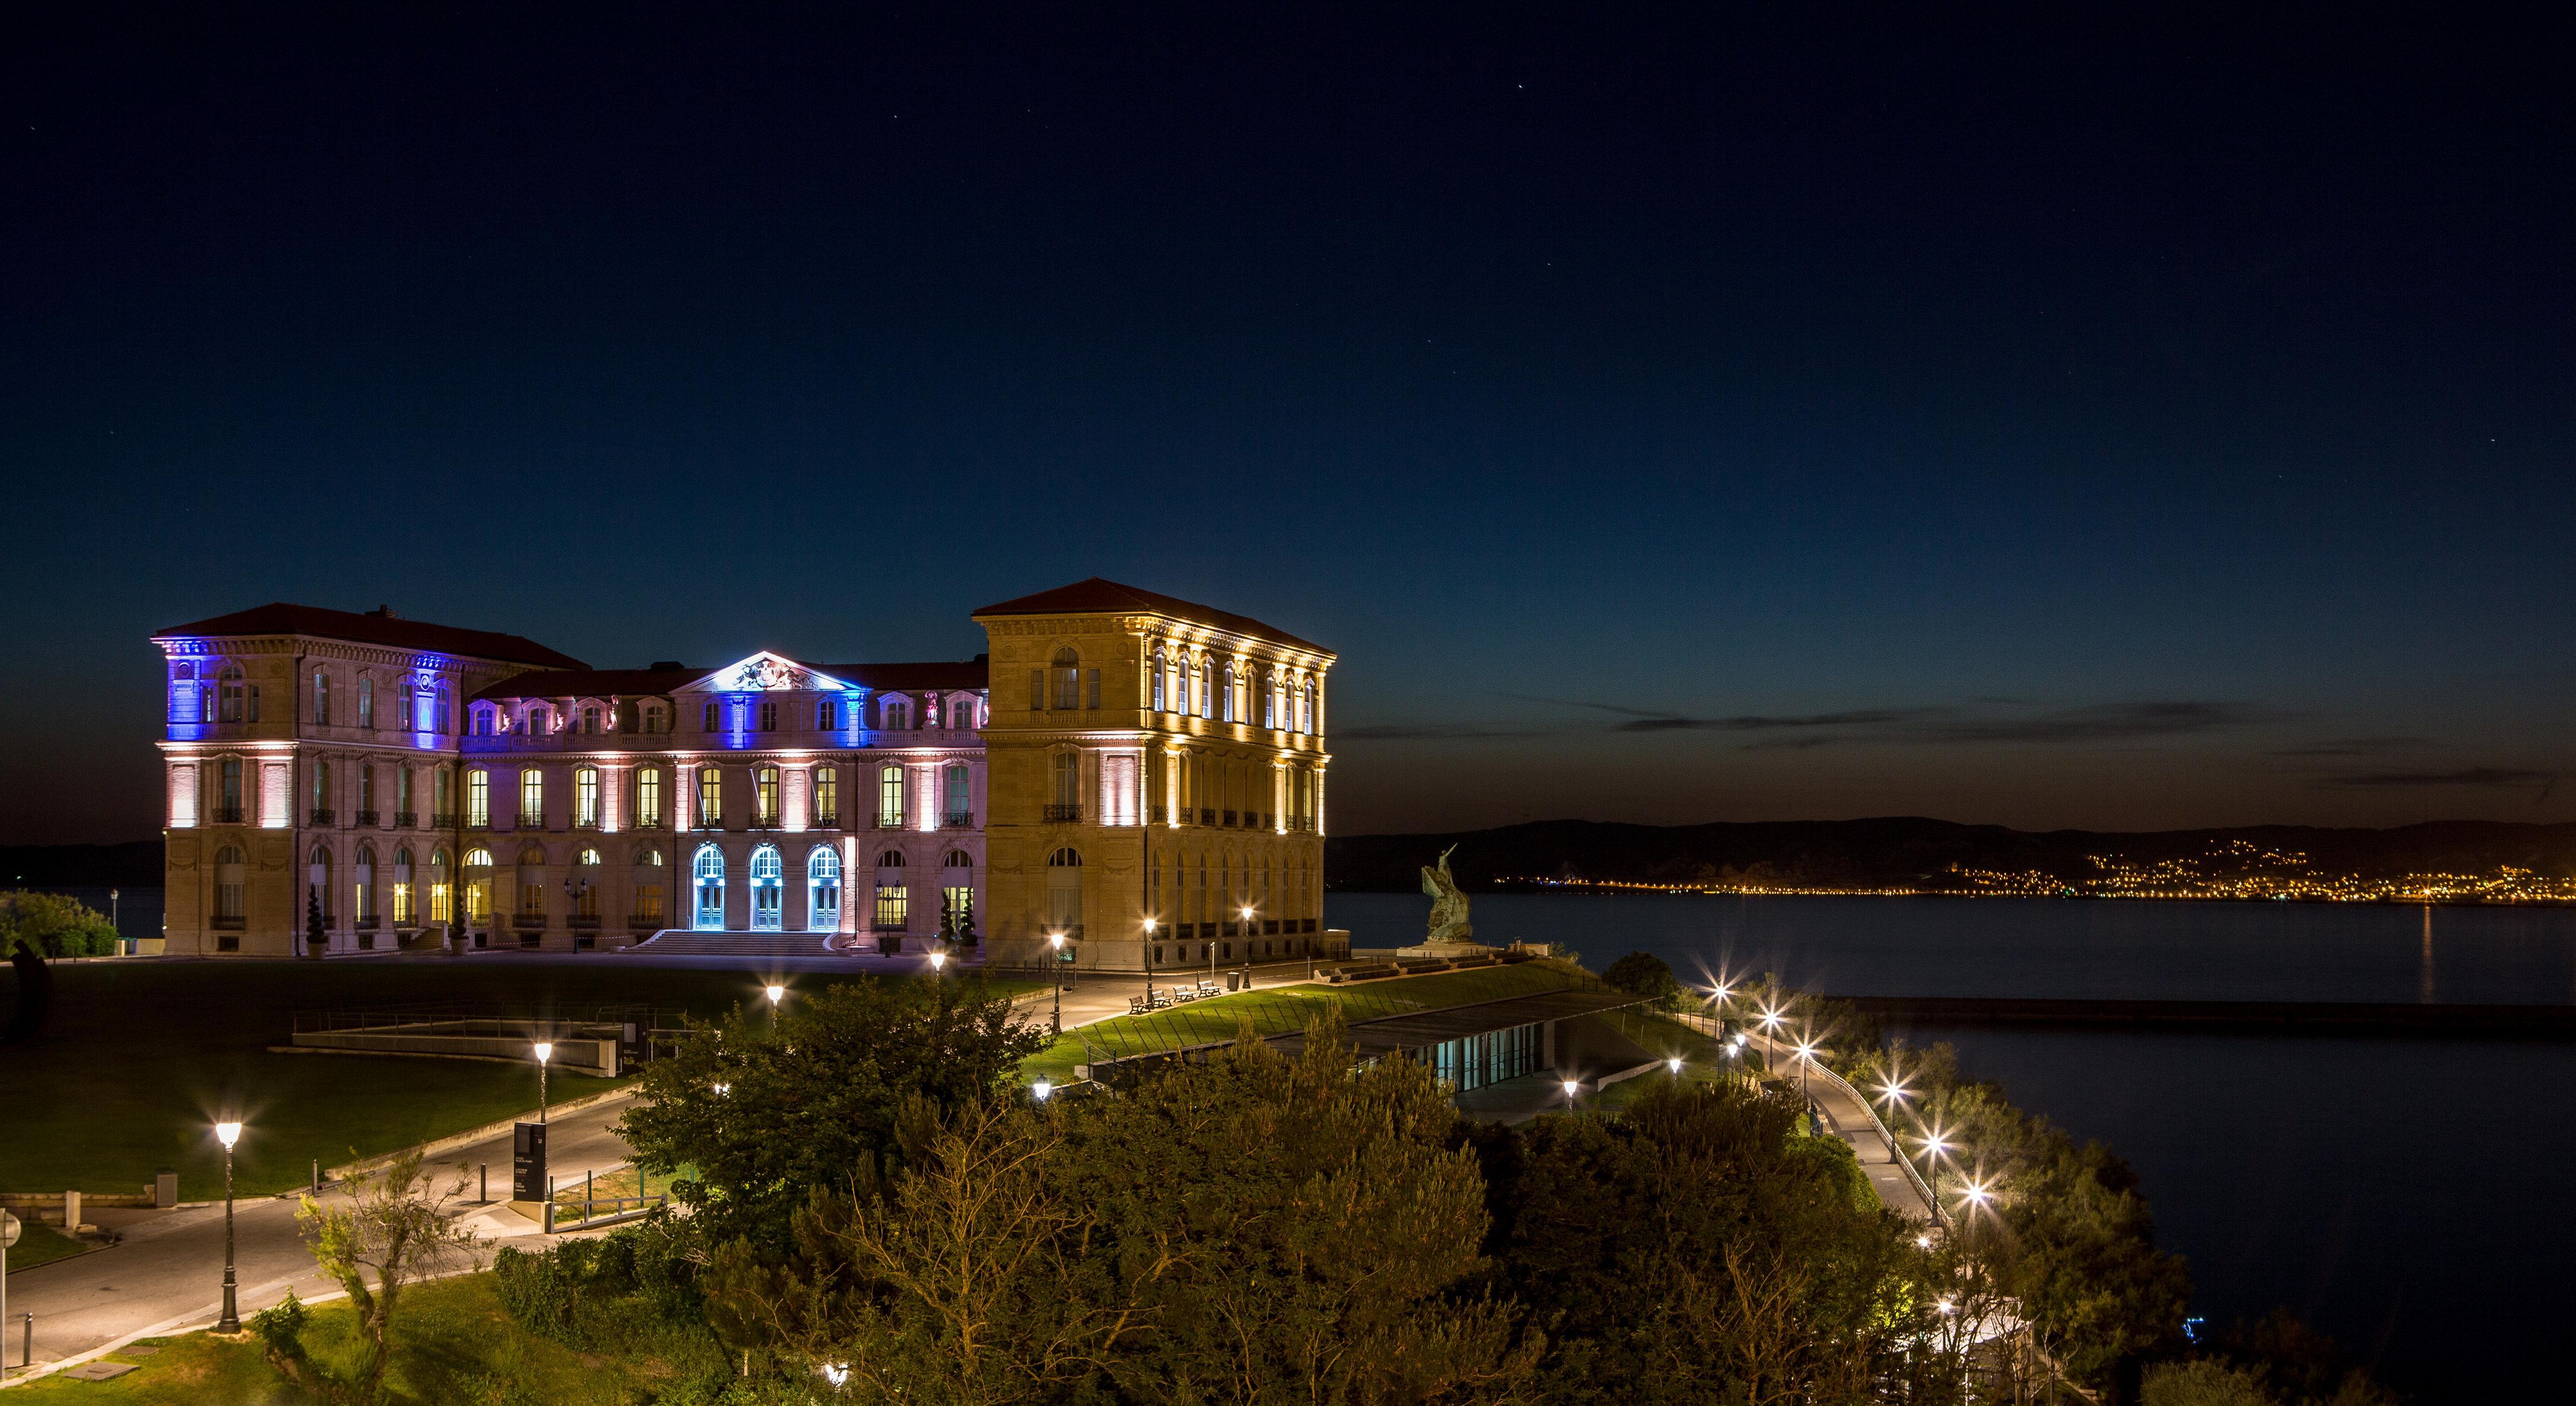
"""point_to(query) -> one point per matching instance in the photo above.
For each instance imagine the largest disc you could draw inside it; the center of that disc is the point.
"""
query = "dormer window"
(484, 719)
(590, 719)
(896, 714)
(654, 720)
(537, 719)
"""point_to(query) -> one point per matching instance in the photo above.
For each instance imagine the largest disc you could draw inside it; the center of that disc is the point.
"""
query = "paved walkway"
(166, 1276)
(1849, 1119)
(1097, 996)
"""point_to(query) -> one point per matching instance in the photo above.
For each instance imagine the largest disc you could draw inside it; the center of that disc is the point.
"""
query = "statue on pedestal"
(1448, 905)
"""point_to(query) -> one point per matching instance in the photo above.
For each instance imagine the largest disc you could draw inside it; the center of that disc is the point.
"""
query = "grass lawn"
(136, 1059)
(453, 1344)
(1281, 1010)
(40, 1244)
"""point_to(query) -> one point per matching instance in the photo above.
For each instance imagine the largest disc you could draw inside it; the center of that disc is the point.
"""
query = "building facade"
(390, 781)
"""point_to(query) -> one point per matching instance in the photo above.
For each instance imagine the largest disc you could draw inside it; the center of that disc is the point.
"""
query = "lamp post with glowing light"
(1933, 1147)
(1572, 1087)
(1247, 946)
(545, 1051)
(1674, 1063)
(938, 963)
(1145, 950)
(228, 1133)
(775, 993)
(1055, 959)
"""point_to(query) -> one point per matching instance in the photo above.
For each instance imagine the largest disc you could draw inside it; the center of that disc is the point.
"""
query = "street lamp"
(1041, 1089)
(1806, 1060)
(1145, 954)
(938, 960)
(1055, 945)
(1571, 1088)
(1674, 1063)
(228, 1133)
(545, 1051)
(1247, 946)
(1933, 1147)
(775, 993)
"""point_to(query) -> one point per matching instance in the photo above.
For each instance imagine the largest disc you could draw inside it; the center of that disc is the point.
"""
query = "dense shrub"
(53, 924)
(632, 1292)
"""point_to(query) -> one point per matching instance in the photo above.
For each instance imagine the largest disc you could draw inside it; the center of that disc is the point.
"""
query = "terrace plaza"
(1131, 778)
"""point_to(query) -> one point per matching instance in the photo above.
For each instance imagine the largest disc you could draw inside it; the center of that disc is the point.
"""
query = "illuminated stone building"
(1151, 759)
(1157, 780)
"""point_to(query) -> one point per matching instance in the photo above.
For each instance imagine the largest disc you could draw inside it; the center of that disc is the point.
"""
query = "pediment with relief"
(767, 672)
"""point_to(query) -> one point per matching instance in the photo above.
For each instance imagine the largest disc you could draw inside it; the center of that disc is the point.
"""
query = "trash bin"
(1234, 981)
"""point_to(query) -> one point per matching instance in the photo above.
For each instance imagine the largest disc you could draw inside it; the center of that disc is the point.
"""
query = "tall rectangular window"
(827, 795)
(764, 785)
(823, 716)
(769, 717)
(957, 800)
(648, 795)
(366, 702)
(710, 798)
(228, 801)
(402, 794)
(478, 798)
(890, 797)
(321, 697)
(585, 796)
(532, 798)
(406, 707)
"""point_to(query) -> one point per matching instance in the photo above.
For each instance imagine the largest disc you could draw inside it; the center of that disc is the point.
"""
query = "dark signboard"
(528, 1163)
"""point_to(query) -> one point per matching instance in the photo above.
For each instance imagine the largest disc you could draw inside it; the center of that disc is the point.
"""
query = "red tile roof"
(1094, 595)
(284, 618)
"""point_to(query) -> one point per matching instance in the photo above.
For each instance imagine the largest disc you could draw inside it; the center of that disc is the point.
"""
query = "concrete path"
(167, 1274)
(1099, 996)
(1847, 1118)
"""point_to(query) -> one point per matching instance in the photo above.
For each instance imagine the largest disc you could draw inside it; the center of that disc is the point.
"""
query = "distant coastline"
(2437, 862)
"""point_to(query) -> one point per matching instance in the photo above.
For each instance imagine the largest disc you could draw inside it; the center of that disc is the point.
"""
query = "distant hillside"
(1912, 852)
(137, 863)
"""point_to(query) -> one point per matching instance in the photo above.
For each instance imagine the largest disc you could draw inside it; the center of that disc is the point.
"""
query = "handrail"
(1895, 1153)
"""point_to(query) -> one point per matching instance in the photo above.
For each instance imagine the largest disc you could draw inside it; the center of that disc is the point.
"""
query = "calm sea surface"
(2416, 1198)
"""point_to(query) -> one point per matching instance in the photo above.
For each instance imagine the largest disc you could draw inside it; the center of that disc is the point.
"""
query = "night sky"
(2037, 419)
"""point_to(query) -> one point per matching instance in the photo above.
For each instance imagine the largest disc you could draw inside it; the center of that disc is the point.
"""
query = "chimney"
(384, 612)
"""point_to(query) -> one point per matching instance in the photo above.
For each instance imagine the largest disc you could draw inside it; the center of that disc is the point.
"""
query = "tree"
(394, 1228)
(1252, 1229)
(317, 938)
(2202, 1383)
(53, 925)
(748, 1122)
(1700, 1249)
(1643, 974)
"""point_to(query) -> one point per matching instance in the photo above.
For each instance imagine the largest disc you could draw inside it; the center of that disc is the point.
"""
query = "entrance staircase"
(688, 942)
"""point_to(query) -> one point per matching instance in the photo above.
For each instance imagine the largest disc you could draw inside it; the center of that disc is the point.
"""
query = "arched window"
(585, 888)
(405, 914)
(1064, 893)
(1269, 698)
(956, 796)
(823, 890)
(366, 700)
(710, 798)
(228, 701)
(483, 722)
(647, 908)
(441, 896)
(764, 787)
(957, 859)
(768, 875)
(585, 797)
(228, 886)
(540, 719)
(894, 897)
(827, 796)
(708, 869)
(890, 797)
(362, 874)
(1207, 691)
(317, 879)
(1158, 678)
(532, 882)
(1066, 670)
(478, 888)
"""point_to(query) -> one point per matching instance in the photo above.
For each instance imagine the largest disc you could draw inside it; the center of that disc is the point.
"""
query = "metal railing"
(406, 820)
(1063, 814)
(322, 816)
(367, 819)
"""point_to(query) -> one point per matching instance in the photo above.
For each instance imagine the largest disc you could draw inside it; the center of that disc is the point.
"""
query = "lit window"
(764, 782)
(1064, 892)
(402, 905)
(827, 795)
(823, 890)
(710, 798)
(478, 798)
(532, 799)
(585, 796)
(648, 795)
(890, 796)
(440, 894)
(1158, 680)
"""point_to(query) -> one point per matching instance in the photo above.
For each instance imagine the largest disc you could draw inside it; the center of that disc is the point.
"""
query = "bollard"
(26, 1342)
(483, 1186)
(317, 1176)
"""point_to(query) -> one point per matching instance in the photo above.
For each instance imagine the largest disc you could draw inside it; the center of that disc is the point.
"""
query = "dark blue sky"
(2050, 420)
